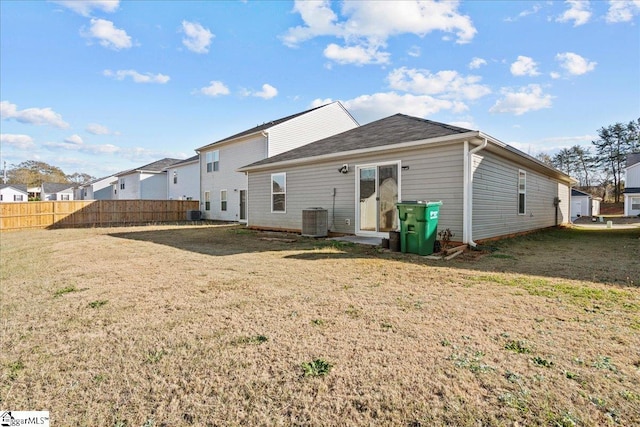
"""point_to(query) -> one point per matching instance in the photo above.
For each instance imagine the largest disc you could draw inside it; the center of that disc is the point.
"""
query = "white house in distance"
(148, 182)
(183, 179)
(56, 191)
(13, 193)
(488, 188)
(223, 191)
(632, 185)
(97, 189)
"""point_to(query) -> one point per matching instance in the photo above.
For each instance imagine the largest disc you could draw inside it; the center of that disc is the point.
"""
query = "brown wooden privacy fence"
(87, 213)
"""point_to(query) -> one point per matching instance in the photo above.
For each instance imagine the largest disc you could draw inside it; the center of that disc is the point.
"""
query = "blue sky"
(103, 86)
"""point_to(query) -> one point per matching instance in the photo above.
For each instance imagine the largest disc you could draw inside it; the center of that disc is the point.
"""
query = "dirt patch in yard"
(215, 325)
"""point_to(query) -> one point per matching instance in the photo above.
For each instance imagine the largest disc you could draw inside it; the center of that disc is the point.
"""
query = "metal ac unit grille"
(193, 215)
(314, 222)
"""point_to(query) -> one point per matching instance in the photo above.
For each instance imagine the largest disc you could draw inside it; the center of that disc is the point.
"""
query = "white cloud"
(414, 51)
(215, 88)
(575, 64)
(622, 10)
(523, 100)
(19, 141)
(107, 34)
(555, 75)
(137, 77)
(197, 38)
(72, 144)
(477, 63)
(366, 26)
(98, 129)
(267, 92)
(378, 105)
(578, 12)
(74, 139)
(524, 66)
(358, 55)
(34, 116)
(86, 7)
(447, 83)
(535, 9)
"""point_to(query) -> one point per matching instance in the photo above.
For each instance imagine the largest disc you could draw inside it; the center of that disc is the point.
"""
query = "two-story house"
(97, 189)
(183, 179)
(148, 182)
(223, 191)
(632, 185)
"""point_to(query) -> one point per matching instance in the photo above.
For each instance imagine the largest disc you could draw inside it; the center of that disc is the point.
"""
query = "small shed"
(583, 204)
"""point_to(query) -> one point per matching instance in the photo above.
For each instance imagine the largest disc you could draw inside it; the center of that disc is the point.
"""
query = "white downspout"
(468, 192)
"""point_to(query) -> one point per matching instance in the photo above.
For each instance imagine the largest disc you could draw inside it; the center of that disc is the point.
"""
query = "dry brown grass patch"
(214, 326)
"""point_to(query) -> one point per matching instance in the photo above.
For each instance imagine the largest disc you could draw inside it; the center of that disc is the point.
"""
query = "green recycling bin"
(418, 226)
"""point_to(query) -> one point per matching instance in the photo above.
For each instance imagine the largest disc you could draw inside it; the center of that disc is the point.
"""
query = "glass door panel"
(368, 203)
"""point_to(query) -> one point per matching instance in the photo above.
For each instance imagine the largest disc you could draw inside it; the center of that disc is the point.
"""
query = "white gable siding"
(9, 193)
(100, 190)
(153, 186)
(232, 156)
(633, 176)
(495, 198)
(188, 185)
(131, 189)
(312, 126)
(434, 174)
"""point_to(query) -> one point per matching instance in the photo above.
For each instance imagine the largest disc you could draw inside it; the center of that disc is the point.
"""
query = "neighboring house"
(583, 204)
(223, 191)
(632, 185)
(13, 193)
(97, 189)
(56, 191)
(183, 179)
(488, 188)
(148, 182)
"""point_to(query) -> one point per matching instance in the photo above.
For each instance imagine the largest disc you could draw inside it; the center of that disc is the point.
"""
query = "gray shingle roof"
(632, 159)
(54, 187)
(388, 131)
(157, 166)
(578, 193)
(259, 128)
(19, 187)
(189, 160)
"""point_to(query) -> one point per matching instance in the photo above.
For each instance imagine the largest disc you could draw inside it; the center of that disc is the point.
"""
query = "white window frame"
(207, 200)
(175, 176)
(122, 183)
(284, 174)
(635, 200)
(64, 197)
(18, 198)
(522, 174)
(223, 200)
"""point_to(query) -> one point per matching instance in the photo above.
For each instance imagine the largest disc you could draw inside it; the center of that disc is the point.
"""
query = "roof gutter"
(467, 226)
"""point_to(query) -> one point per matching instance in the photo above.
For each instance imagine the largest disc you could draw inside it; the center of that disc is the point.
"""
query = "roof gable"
(389, 131)
(157, 166)
(633, 159)
(55, 187)
(18, 187)
(578, 193)
(263, 127)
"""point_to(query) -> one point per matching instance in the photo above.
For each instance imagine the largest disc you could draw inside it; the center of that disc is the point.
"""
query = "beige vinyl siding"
(434, 174)
(312, 126)
(232, 156)
(495, 198)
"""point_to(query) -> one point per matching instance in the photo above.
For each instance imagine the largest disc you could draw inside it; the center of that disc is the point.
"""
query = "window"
(213, 161)
(635, 203)
(223, 200)
(207, 200)
(522, 192)
(278, 192)
(122, 184)
(18, 197)
(64, 197)
(175, 176)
